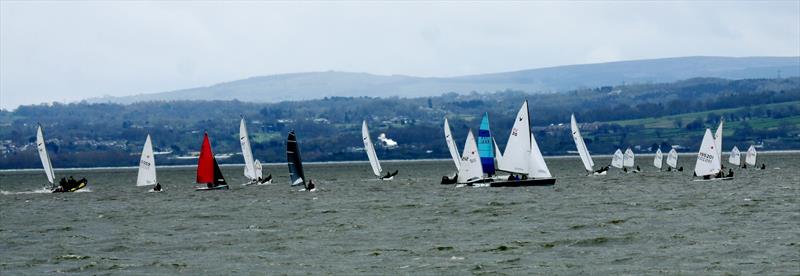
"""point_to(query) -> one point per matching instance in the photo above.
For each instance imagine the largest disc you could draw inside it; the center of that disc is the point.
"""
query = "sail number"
(705, 157)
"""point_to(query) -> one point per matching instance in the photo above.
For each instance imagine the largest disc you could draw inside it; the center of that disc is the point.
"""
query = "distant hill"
(316, 85)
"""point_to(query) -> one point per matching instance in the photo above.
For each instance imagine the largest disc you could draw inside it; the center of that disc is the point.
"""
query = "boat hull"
(524, 183)
(713, 179)
(81, 185)
(218, 187)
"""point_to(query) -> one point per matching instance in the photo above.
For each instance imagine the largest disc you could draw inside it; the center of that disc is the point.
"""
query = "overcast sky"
(67, 51)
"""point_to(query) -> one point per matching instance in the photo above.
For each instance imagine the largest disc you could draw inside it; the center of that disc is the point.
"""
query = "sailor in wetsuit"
(763, 166)
(730, 173)
(71, 183)
(310, 186)
(157, 188)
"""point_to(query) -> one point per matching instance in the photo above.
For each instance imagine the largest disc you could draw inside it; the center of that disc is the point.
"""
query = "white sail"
(258, 169)
(537, 166)
(470, 169)
(736, 157)
(750, 158)
(370, 149)
(517, 157)
(616, 162)
(708, 162)
(247, 153)
(498, 156)
(658, 160)
(718, 139)
(588, 164)
(451, 144)
(628, 158)
(41, 146)
(672, 158)
(147, 165)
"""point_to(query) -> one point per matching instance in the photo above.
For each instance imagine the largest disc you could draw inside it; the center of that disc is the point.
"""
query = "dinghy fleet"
(480, 164)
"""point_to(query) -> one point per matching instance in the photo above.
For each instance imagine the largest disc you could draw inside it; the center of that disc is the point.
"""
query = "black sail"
(293, 159)
(218, 178)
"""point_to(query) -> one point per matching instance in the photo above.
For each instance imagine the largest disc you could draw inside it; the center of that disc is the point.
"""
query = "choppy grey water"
(647, 223)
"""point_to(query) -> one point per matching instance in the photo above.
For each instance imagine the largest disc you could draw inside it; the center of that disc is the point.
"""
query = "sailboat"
(672, 160)
(208, 171)
(369, 147)
(522, 156)
(658, 160)
(453, 149)
(708, 164)
(251, 172)
(616, 161)
(735, 157)
(63, 186)
(296, 173)
(588, 163)
(628, 160)
(750, 158)
(147, 165)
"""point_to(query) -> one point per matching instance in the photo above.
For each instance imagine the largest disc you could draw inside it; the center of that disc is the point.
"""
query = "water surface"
(647, 223)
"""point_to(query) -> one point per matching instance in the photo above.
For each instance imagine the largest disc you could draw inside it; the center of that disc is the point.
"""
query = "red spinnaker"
(205, 166)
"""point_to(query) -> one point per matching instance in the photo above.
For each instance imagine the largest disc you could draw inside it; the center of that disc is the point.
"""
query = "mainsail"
(517, 157)
(708, 162)
(470, 168)
(616, 162)
(370, 149)
(451, 144)
(293, 159)
(247, 153)
(588, 164)
(208, 171)
(658, 160)
(147, 165)
(672, 159)
(485, 149)
(628, 158)
(46, 164)
(736, 157)
(750, 158)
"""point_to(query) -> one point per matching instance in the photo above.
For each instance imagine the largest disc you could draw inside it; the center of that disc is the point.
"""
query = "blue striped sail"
(485, 149)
